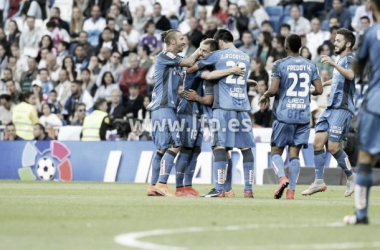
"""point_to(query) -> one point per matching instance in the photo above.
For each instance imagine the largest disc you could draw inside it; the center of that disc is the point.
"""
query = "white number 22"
(304, 83)
(233, 79)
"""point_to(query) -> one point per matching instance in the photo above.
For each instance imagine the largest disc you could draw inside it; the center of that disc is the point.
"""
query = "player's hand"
(237, 70)
(327, 60)
(264, 106)
(252, 83)
(263, 100)
(191, 95)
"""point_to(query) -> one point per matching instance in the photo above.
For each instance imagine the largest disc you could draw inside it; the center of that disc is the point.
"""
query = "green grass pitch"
(55, 215)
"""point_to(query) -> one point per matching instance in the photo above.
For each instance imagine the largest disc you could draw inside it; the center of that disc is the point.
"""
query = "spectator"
(6, 107)
(278, 51)
(259, 15)
(195, 35)
(263, 117)
(12, 91)
(80, 59)
(94, 67)
(116, 109)
(25, 116)
(265, 46)
(135, 5)
(10, 133)
(3, 58)
(69, 66)
(258, 70)
(262, 87)
(151, 39)
(145, 116)
(37, 9)
(21, 63)
(316, 37)
(267, 26)
(37, 90)
(137, 135)
(28, 76)
(129, 38)
(56, 14)
(48, 119)
(305, 53)
(145, 60)
(111, 24)
(56, 32)
(16, 72)
(333, 21)
(53, 68)
(63, 87)
(161, 22)
(87, 83)
(324, 49)
(114, 66)
(220, 10)
(97, 123)
(80, 114)
(285, 30)
(330, 42)
(13, 9)
(248, 47)
(311, 7)
(343, 14)
(103, 6)
(30, 38)
(140, 20)
(107, 85)
(63, 52)
(362, 11)
(211, 27)
(55, 106)
(236, 21)
(14, 33)
(104, 55)
(189, 48)
(115, 13)
(39, 133)
(202, 17)
(134, 74)
(47, 85)
(106, 41)
(94, 26)
(7, 76)
(135, 101)
(76, 24)
(297, 22)
(83, 40)
(77, 95)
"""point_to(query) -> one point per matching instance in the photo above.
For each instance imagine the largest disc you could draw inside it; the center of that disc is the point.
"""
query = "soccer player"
(334, 123)
(291, 80)
(167, 77)
(231, 122)
(189, 113)
(369, 119)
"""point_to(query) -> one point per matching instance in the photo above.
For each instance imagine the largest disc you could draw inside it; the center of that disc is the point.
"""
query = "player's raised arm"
(327, 83)
(190, 61)
(217, 74)
(347, 73)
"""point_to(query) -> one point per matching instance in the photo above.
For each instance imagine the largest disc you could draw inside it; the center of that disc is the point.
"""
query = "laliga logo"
(46, 160)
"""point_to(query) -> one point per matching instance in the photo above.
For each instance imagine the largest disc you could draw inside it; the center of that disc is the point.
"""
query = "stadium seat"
(352, 9)
(174, 23)
(276, 22)
(285, 19)
(274, 11)
(325, 25)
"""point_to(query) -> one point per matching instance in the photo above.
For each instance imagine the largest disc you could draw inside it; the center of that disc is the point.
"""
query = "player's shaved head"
(210, 42)
(293, 42)
(223, 35)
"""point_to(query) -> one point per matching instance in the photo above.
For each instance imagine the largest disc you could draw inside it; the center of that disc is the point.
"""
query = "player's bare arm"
(192, 95)
(217, 74)
(252, 83)
(327, 83)
(190, 61)
(318, 87)
(275, 85)
(347, 73)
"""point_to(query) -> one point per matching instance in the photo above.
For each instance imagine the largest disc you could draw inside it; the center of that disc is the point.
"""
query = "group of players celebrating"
(215, 84)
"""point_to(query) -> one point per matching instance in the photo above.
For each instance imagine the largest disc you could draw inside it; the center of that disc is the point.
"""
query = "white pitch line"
(133, 239)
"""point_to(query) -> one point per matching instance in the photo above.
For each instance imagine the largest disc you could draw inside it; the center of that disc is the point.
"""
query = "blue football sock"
(278, 165)
(156, 167)
(167, 163)
(228, 184)
(363, 183)
(319, 161)
(343, 161)
(220, 162)
(181, 164)
(294, 171)
(248, 169)
(189, 173)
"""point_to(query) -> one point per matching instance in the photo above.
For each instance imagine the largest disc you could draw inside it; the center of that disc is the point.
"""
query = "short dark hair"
(365, 17)
(86, 70)
(57, 9)
(285, 25)
(99, 103)
(110, 19)
(247, 32)
(294, 43)
(6, 97)
(134, 85)
(53, 91)
(79, 104)
(64, 44)
(157, 3)
(223, 35)
(9, 69)
(10, 124)
(210, 42)
(40, 126)
(281, 40)
(266, 22)
(43, 69)
(335, 27)
(348, 36)
(129, 21)
(146, 49)
(77, 82)
(295, 6)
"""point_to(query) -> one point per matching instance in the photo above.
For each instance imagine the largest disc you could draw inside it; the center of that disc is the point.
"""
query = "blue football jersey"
(208, 89)
(231, 91)
(342, 90)
(191, 81)
(167, 78)
(292, 100)
(370, 49)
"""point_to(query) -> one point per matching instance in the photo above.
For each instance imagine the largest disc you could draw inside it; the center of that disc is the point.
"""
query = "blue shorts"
(192, 133)
(237, 135)
(165, 127)
(336, 122)
(290, 134)
(369, 132)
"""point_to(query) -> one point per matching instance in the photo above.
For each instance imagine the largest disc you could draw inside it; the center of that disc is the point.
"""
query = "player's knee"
(220, 154)
(333, 147)
(318, 145)
(247, 155)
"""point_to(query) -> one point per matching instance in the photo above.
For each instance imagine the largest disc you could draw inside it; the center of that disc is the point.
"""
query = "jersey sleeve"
(208, 88)
(276, 70)
(363, 53)
(350, 61)
(169, 59)
(211, 59)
